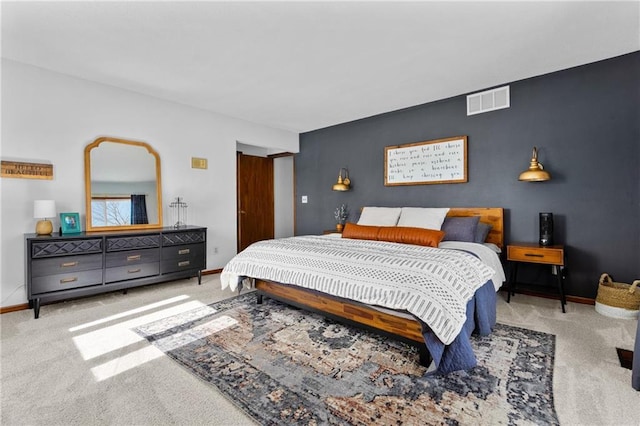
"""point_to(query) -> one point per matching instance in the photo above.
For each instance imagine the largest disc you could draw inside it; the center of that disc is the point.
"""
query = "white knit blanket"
(431, 283)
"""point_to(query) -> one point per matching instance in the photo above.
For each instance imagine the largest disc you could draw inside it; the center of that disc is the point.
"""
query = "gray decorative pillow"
(460, 228)
(482, 231)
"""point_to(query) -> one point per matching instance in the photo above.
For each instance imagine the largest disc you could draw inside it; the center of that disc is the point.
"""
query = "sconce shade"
(44, 209)
(343, 184)
(535, 172)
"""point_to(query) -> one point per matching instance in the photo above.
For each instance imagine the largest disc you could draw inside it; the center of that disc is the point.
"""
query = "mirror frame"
(87, 185)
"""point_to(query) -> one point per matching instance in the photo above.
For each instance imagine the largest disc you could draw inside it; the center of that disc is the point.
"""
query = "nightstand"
(331, 231)
(535, 253)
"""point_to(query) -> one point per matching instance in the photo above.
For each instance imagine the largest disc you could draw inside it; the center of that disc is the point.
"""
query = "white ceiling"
(301, 66)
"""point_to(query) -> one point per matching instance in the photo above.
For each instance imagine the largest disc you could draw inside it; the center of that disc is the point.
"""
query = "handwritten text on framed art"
(428, 162)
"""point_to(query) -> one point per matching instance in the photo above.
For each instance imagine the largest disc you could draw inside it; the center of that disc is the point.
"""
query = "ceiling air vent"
(488, 100)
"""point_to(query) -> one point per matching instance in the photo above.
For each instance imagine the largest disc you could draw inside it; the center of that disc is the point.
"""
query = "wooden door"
(255, 199)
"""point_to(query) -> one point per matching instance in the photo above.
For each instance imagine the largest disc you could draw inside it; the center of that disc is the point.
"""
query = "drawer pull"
(184, 263)
(134, 257)
(134, 271)
(184, 251)
(68, 280)
(533, 255)
(68, 264)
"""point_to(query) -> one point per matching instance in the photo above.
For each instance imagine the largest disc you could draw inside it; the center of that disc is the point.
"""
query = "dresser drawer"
(67, 281)
(131, 272)
(176, 265)
(40, 249)
(535, 255)
(135, 242)
(183, 238)
(65, 264)
(183, 257)
(188, 251)
(132, 257)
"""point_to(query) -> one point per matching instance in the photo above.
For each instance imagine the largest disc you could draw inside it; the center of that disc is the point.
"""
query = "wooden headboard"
(493, 216)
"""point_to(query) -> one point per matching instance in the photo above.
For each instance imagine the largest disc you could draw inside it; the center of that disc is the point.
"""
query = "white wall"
(50, 117)
(283, 197)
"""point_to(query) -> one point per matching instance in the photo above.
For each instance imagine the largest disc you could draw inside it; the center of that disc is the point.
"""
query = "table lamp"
(43, 210)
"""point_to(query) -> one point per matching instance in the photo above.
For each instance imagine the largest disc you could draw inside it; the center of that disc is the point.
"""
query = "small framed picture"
(70, 223)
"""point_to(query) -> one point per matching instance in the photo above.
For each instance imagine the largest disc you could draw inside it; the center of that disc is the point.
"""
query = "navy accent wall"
(585, 122)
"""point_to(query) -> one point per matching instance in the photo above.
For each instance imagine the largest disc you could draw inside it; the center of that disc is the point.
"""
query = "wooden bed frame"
(354, 313)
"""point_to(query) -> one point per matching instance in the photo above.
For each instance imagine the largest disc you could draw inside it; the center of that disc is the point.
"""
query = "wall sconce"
(43, 210)
(536, 172)
(343, 183)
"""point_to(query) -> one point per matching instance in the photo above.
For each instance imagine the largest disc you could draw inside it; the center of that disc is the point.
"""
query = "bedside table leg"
(563, 300)
(513, 274)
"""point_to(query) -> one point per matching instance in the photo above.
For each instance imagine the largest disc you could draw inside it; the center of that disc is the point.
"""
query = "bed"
(441, 350)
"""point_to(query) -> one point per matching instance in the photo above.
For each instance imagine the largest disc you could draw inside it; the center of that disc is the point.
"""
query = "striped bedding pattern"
(431, 283)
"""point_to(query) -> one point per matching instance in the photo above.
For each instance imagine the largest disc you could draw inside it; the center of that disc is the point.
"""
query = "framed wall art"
(428, 162)
(22, 170)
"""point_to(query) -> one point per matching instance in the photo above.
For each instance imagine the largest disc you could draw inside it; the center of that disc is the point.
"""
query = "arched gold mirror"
(122, 185)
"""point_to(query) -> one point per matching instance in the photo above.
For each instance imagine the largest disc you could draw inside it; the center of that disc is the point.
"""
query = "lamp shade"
(43, 209)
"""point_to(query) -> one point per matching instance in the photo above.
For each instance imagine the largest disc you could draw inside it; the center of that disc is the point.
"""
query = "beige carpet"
(80, 363)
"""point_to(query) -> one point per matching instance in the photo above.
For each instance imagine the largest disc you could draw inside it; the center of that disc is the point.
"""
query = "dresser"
(62, 267)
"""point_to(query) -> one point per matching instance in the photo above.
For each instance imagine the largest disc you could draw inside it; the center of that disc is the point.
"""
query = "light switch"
(304, 199)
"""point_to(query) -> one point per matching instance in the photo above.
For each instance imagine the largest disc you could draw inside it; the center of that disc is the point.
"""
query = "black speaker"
(546, 229)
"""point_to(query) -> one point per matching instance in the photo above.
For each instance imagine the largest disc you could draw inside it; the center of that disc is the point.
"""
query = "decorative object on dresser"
(535, 172)
(537, 254)
(70, 223)
(123, 189)
(344, 183)
(63, 267)
(178, 212)
(44, 210)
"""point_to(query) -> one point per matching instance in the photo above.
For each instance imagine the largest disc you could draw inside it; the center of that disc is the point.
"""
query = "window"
(110, 211)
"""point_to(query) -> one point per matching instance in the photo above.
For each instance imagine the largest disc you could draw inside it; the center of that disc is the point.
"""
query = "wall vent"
(489, 100)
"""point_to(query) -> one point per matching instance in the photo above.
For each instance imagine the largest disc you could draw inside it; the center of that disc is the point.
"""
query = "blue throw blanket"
(481, 318)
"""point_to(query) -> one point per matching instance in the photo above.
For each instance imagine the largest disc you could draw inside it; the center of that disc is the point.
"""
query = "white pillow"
(379, 216)
(422, 217)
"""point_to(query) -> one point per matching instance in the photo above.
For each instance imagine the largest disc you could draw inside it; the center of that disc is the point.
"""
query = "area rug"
(282, 365)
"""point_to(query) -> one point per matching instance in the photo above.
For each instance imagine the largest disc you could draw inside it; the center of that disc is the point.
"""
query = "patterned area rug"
(282, 365)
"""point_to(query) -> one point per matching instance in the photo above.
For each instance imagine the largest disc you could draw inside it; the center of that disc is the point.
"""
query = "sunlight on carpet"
(128, 313)
(140, 356)
(118, 337)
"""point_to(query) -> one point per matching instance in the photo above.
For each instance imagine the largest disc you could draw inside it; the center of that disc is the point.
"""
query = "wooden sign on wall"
(16, 169)
(428, 162)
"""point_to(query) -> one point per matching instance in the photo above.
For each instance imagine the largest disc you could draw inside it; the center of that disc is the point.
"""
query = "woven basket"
(619, 295)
